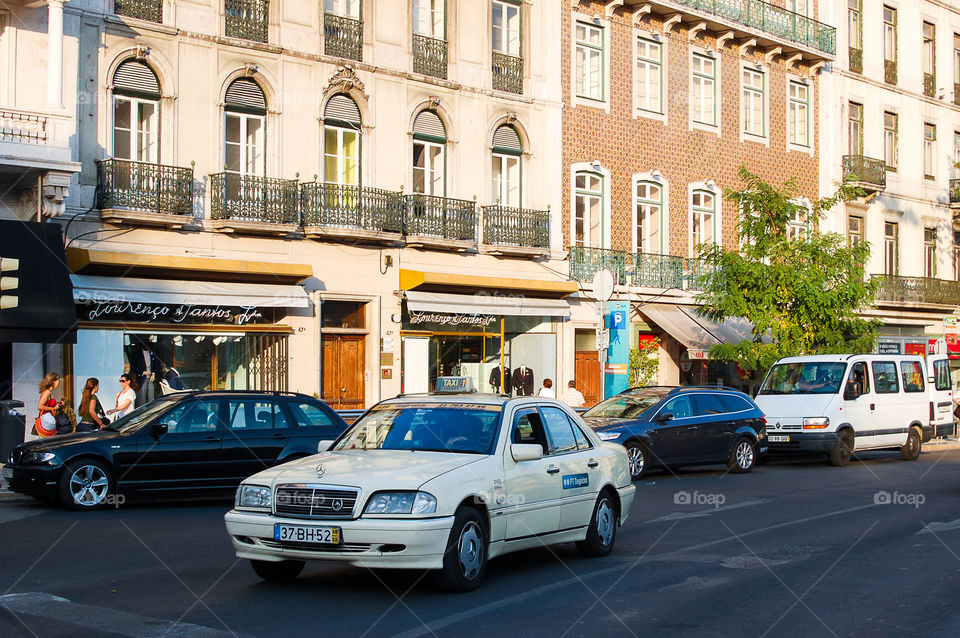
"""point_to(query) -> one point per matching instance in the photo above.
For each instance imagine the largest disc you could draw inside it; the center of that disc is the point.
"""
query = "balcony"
(955, 193)
(138, 193)
(149, 10)
(890, 71)
(439, 222)
(657, 271)
(585, 262)
(866, 172)
(637, 269)
(342, 37)
(353, 213)
(246, 19)
(917, 290)
(254, 204)
(517, 232)
(507, 73)
(429, 56)
(856, 60)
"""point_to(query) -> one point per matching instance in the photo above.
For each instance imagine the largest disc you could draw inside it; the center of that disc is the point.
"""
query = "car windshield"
(142, 415)
(808, 377)
(625, 406)
(426, 427)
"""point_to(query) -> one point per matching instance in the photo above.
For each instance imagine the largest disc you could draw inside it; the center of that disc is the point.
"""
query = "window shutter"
(507, 140)
(133, 77)
(342, 108)
(428, 124)
(244, 94)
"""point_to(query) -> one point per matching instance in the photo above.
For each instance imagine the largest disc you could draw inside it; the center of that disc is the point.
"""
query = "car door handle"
(692, 427)
(279, 435)
(591, 463)
(873, 406)
(211, 439)
(553, 469)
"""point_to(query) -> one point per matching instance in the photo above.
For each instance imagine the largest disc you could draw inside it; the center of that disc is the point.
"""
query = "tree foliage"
(801, 291)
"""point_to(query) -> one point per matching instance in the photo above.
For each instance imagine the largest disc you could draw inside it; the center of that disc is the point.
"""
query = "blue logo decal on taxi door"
(573, 481)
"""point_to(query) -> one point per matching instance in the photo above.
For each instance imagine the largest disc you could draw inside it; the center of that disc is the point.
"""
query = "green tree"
(801, 291)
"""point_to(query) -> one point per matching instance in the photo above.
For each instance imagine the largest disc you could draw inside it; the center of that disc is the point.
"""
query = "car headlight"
(608, 436)
(402, 503)
(254, 497)
(815, 422)
(39, 458)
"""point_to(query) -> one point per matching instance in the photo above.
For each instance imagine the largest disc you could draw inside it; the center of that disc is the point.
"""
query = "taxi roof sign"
(454, 385)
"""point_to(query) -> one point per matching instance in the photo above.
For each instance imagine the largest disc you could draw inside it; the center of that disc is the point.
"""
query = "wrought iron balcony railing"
(246, 19)
(431, 216)
(777, 21)
(585, 262)
(918, 290)
(856, 60)
(889, 71)
(866, 171)
(639, 269)
(342, 37)
(507, 72)
(508, 226)
(429, 56)
(356, 207)
(930, 85)
(140, 186)
(657, 271)
(150, 10)
(253, 198)
(954, 192)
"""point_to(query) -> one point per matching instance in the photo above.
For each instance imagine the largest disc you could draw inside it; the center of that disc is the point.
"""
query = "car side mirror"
(324, 445)
(159, 429)
(851, 393)
(526, 452)
(663, 417)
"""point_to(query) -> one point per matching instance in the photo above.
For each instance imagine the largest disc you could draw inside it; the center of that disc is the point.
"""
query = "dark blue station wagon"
(672, 427)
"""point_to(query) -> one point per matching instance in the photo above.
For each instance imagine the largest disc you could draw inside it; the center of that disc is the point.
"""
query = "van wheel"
(743, 457)
(911, 451)
(842, 449)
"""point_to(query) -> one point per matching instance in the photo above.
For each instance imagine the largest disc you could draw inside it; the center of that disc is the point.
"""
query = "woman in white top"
(547, 389)
(126, 397)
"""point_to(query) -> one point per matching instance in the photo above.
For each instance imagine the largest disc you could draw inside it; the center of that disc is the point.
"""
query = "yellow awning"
(449, 282)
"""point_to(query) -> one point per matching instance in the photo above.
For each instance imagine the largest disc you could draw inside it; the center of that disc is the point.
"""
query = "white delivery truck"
(843, 403)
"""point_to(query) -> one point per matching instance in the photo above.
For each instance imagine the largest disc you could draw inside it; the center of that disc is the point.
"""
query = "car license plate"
(7, 472)
(304, 534)
(778, 438)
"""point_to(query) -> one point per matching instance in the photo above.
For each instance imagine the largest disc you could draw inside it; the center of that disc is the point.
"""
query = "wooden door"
(589, 376)
(343, 368)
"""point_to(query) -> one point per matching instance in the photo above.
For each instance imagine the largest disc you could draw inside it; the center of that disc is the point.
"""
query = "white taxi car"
(438, 482)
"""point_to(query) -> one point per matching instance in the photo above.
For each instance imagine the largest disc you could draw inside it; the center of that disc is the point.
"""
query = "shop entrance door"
(587, 374)
(343, 357)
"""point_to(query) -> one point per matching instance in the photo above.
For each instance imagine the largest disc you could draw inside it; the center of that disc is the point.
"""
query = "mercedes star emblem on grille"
(337, 504)
(321, 471)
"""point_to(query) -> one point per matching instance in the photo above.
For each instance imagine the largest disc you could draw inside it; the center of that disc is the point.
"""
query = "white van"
(843, 403)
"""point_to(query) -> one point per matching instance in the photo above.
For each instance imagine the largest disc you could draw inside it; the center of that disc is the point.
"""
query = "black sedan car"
(197, 443)
(672, 427)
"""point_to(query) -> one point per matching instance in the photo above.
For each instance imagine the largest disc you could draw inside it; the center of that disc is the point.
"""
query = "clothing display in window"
(523, 381)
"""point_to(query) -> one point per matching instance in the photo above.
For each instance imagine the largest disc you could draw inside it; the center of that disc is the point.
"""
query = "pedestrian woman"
(46, 423)
(90, 408)
(126, 397)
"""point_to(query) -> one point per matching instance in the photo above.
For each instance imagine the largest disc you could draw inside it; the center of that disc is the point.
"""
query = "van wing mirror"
(851, 392)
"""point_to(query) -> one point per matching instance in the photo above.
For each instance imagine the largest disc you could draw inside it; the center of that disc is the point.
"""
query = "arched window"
(341, 141)
(429, 154)
(505, 173)
(648, 217)
(587, 228)
(703, 218)
(136, 112)
(244, 121)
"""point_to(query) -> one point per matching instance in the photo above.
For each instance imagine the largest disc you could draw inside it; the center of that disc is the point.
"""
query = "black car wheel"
(743, 457)
(603, 528)
(465, 559)
(277, 571)
(85, 484)
(638, 456)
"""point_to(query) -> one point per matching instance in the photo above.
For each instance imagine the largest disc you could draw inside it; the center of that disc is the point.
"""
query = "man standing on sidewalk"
(572, 396)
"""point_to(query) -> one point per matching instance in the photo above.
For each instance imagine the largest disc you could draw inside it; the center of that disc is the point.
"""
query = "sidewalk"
(942, 445)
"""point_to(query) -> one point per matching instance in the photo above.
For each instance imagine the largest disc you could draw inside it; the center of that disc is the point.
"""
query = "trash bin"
(12, 424)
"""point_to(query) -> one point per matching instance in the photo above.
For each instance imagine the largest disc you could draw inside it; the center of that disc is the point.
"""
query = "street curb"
(941, 445)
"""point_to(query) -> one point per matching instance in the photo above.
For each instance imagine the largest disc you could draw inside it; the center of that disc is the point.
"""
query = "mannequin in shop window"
(495, 380)
(145, 368)
(523, 381)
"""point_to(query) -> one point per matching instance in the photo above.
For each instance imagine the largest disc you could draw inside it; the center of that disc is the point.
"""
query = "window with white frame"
(703, 218)
(798, 225)
(929, 151)
(799, 6)
(752, 102)
(890, 141)
(929, 252)
(854, 25)
(341, 141)
(505, 170)
(429, 154)
(649, 76)
(587, 226)
(588, 61)
(929, 48)
(854, 230)
(506, 27)
(428, 18)
(891, 249)
(648, 217)
(889, 34)
(704, 99)
(855, 128)
(136, 110)
(956, 152)
(345, 8)
(245, 111)
(798, 113)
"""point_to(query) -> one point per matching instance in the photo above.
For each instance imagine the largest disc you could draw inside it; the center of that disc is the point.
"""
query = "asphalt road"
(795, 548)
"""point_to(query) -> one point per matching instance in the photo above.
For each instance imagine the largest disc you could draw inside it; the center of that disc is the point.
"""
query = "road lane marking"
(44, 605)
(677, 516)
(933, 528)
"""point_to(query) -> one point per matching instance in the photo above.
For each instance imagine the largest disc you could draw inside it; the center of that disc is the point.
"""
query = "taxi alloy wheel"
(470, 550)
(743, 457)
(85, 485)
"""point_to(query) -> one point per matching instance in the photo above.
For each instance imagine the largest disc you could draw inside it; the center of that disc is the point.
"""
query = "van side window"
(941, 374)
(859, 377)
(885, 377)
(912, 376)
